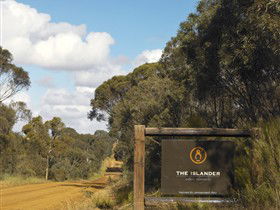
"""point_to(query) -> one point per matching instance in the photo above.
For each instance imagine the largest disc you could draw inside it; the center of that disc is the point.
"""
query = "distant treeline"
(42, 149)
(49, 149)
(221, 70)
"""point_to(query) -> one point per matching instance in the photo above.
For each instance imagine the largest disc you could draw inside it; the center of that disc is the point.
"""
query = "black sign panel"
(197, 167)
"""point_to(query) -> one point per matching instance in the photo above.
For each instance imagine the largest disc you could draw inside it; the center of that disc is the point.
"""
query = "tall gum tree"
(44, 135)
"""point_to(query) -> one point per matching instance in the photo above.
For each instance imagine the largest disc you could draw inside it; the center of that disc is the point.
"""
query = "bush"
(123, 189)
(257, 166)
(60, 171)
(103, 199)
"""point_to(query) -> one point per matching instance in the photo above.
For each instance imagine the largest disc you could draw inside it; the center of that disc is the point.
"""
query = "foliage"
(123, 190)
(8, 139)
(12, 78)
(7, 119)
(258, 168)
(112, 91)
(149, 100)
(226, 55)
(49, 148)
(22, 112)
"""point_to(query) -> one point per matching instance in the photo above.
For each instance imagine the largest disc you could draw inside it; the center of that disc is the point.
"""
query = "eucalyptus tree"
(44, 135)
(227, 56)
(37, 143)
(55, 127)
(141, 97)
(12, 78)
(7, 121)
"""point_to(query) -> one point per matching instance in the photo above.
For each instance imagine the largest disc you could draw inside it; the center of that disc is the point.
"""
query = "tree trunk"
(47, 167)
(48, 158)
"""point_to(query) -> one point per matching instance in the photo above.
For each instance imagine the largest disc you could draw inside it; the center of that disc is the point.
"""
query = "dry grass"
(104, 199)
(9, 181)
(78, 205)
(101, 199)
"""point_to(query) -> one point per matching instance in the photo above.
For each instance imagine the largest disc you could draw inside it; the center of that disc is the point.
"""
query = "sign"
(196, 167)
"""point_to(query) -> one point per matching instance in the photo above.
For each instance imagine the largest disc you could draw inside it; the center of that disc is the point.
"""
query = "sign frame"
(140, 132)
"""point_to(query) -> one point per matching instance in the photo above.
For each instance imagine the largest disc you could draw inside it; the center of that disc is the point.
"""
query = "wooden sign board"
(197, 167)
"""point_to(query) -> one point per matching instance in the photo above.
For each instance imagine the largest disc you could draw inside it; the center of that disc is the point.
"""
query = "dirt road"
(55, 195)
(48, 195)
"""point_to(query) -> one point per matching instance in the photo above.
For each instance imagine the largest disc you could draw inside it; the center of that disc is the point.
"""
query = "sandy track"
(47, 196)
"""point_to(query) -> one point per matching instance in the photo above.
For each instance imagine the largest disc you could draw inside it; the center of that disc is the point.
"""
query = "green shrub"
(123, 190)
(257, 163)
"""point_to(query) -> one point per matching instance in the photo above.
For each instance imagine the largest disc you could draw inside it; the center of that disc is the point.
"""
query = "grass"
(104, 199)
(101, 199)
(16, 180)
(257, 168)
(87, 204)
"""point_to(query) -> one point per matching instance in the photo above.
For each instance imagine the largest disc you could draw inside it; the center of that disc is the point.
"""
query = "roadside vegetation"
(49, 150)
(220, 70)
(15, 180)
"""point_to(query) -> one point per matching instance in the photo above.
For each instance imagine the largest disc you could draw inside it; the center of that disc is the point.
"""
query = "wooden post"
(139, 164)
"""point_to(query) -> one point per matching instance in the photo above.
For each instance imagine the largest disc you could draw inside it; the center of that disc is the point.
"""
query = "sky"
(70, 47)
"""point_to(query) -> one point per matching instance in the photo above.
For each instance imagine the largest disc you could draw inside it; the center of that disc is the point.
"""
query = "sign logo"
(198, 155)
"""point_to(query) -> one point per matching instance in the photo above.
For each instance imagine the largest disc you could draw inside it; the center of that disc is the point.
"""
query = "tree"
(220, 70)
(226, 55)
(12, 78)
(44, 136)
(7, 138)
(11, 143)
(112, 91)
(7, 119)
(148, 99)
(38, 140)
(22, 112)
(54, 127)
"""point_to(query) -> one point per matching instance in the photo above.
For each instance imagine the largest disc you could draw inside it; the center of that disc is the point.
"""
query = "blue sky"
(135, 25)
(70, 47)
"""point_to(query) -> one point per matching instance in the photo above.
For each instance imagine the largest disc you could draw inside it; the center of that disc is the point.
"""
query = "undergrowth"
(257, 168)
(15, 180)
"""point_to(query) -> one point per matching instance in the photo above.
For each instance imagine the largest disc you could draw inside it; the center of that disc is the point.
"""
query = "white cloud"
(64, 97)
(71, 107)
(95, 77)
(34, 39)
(147, 56)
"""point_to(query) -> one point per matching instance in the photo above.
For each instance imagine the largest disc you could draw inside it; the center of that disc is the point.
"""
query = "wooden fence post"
(139, 165)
